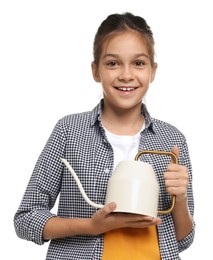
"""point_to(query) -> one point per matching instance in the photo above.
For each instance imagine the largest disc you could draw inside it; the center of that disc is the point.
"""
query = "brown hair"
(116, 23)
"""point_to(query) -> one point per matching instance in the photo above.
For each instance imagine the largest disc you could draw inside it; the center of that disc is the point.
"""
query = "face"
(124, 71)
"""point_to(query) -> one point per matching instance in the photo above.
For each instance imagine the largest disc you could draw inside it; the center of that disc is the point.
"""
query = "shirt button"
(106, 170)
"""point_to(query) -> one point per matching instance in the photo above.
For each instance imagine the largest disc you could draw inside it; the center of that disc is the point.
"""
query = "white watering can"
(133, 187)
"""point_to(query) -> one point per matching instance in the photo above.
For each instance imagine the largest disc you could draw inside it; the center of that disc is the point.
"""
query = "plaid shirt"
(80, 138)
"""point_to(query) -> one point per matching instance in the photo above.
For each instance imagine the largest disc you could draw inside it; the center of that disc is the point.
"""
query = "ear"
(154, 69)
(95, 72)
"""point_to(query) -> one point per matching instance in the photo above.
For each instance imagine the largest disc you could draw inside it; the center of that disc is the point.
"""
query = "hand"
(105, 220)
(176, 178)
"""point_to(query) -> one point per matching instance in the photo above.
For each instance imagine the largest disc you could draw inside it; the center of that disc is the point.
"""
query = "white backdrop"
(45, 56)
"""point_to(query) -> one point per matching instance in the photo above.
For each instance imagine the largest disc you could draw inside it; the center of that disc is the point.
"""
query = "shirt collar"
(96, 115)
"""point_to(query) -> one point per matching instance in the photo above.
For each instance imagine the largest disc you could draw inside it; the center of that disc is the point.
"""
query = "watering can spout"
(80, 185)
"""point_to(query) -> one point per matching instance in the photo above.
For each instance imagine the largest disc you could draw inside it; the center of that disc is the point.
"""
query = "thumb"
(175, 151)
(107, 209)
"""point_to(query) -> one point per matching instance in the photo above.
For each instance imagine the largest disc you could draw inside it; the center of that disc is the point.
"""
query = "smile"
(125, 89)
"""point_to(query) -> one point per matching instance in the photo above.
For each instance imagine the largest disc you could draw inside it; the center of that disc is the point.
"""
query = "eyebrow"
(117, 56)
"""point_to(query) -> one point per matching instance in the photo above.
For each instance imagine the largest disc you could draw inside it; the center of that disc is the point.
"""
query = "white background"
(45, 56)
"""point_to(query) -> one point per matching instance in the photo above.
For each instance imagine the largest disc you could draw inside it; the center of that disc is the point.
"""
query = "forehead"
(128, 41)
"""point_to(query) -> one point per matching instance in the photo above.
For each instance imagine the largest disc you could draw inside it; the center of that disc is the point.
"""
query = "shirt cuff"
(188, 240)
(35, 232)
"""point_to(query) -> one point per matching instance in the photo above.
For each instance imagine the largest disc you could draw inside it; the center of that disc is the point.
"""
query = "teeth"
(126, 89)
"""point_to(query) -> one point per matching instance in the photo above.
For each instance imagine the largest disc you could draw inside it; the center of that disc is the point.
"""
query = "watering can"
(132, 186)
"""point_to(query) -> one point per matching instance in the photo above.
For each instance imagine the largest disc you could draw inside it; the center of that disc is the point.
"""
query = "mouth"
(126, 89)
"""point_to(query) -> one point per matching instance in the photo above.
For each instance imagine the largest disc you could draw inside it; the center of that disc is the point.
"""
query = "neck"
(122, 122)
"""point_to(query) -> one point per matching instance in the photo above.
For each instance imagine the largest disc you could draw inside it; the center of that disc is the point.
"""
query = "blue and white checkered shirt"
(81, 139)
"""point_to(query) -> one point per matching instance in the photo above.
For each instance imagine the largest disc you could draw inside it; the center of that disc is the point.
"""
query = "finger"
(107, 209)
(153, 221)
(157, 221)
(174, 168)
(175, 151)
(144, 223)
(177, 191)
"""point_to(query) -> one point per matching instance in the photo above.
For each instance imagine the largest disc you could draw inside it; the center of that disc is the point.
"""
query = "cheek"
(151, 78)
(152, 74)
(145, 79)
(108, 76)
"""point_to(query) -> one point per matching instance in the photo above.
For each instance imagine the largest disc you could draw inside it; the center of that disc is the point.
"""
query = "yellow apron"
(131, 243)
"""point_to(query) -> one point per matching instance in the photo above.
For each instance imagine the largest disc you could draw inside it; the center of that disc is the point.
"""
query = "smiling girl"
(93, 143)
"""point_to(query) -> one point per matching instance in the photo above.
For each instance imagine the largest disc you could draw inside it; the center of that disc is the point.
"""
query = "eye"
(139, 63)
(112, 64)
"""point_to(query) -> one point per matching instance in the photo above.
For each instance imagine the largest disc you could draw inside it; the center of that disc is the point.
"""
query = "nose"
(126, 73)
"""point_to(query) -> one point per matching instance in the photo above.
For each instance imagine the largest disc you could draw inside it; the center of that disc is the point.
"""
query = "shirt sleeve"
(184, 159)
(187, 241)
(42, 190)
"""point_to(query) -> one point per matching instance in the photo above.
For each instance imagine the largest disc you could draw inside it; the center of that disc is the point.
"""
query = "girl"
(93, 143)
